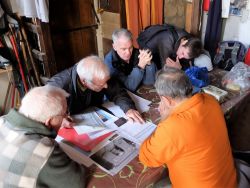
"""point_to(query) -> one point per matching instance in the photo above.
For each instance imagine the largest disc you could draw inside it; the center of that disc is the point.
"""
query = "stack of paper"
(89, 130)
(107, 140)
(218, 93)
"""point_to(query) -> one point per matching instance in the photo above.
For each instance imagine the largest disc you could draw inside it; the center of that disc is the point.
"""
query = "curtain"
(142, 13)
(214, 27)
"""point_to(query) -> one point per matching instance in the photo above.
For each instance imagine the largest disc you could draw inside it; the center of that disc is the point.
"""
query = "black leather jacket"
(164, 42)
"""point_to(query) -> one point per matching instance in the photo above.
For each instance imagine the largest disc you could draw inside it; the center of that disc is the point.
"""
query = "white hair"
(42, 103)
(117, 33)
(90, 67)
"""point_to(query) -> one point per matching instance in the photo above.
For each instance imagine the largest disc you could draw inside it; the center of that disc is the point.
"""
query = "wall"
(174, 12)
(238, 28)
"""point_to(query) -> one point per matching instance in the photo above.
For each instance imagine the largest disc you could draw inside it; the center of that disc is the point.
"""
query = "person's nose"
(105, 86)
(180, 56)
(128, 52)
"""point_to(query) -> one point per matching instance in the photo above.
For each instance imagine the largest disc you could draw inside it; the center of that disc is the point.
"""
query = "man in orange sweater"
(192, 137)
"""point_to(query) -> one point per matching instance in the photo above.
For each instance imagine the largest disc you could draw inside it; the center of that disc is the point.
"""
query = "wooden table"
(135, 174)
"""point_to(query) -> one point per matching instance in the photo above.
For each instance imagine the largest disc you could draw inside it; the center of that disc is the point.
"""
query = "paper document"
(142, 105)
(116, 110)
(111, 143)
(139, 131)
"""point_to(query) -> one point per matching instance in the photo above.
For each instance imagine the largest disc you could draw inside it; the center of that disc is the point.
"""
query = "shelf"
(8, 69)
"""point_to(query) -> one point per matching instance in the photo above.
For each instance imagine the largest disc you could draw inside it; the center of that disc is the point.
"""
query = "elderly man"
(87, 82)
(128, 64)
(191, 138)
(29, 155)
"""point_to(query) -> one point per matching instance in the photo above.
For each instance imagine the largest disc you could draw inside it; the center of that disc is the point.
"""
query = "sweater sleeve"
(61, 171)
(119, 95)
(133, 80)
(61, 80)
(108, 61)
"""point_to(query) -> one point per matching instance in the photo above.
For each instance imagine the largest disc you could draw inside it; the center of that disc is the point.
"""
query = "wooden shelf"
(8, 69)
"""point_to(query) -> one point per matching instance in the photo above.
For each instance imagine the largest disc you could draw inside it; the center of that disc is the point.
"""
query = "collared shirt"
(193, 143)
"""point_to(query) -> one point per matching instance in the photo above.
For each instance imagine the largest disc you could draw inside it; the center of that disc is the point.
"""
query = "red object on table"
(81, 140)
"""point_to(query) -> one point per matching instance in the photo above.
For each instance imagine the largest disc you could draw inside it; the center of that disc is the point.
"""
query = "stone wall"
(174, 12)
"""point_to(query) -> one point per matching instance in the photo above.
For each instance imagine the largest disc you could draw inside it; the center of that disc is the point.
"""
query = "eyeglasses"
(95, 86)
(65, 115)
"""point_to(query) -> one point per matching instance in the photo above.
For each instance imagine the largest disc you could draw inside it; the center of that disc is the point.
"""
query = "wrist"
(141, 66)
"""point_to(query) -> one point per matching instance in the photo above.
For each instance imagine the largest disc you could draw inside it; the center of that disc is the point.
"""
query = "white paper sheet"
(142, 105)
(133, 134)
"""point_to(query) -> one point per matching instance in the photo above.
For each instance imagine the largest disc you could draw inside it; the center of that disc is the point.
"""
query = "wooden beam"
(47, 48)
(193, 17)
(188, 21)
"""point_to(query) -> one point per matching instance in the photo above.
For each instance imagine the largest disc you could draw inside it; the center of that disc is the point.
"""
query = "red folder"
(81, 140)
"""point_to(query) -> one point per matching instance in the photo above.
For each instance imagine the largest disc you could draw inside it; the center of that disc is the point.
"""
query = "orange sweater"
(193, 143)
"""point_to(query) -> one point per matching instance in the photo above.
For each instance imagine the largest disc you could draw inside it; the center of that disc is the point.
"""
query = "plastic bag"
(198, 76)
(238, 78)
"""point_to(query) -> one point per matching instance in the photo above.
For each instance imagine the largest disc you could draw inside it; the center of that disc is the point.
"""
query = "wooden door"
(73, 31)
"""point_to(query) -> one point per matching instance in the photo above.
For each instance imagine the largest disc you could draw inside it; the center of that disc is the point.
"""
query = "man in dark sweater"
(30, 157)
(87, 82)
(173, 46)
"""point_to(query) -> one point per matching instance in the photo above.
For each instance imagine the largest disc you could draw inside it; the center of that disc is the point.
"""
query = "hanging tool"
(14, 46)
(30, 54)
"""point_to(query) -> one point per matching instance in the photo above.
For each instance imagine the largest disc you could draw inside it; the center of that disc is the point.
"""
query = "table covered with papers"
(135, 174)
(105, 172)
(108, 145)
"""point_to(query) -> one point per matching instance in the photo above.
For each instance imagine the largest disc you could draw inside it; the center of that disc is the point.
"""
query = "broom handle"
(12, 40)
(31, 57)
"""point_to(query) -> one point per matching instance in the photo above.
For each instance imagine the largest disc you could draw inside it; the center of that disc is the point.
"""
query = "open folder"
(82, 141)
(111, 143)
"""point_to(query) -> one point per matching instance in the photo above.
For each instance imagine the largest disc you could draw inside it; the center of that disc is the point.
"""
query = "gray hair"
(121, 32)
(92, 66)
(173, 82)
(42, 103)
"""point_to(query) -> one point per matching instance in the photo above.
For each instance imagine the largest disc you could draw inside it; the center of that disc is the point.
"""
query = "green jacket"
(30, 157)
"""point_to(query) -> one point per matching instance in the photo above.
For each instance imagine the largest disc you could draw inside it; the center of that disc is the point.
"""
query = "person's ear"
(184, 41)
(84, 83)
(168, 100)
(114, 46)
(48, 122)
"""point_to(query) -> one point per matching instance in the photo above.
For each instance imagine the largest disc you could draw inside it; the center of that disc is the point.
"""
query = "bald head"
(173, 82)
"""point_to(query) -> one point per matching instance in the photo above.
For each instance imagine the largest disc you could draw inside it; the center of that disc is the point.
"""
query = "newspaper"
(114, 152)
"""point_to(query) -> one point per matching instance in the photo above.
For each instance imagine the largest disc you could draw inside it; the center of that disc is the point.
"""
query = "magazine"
(103, 139)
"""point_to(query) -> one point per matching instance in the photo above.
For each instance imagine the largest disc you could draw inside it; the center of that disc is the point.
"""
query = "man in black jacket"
(87, 82)
(170, 45)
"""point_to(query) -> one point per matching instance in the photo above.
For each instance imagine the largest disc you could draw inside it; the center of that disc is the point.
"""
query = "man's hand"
(68, 122)
(134, 115)
(172, 63)
(145, 57)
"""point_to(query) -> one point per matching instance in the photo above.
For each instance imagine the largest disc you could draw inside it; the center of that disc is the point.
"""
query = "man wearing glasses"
(29, 155)
(87, 82)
